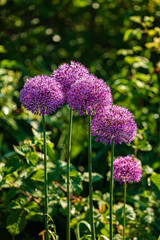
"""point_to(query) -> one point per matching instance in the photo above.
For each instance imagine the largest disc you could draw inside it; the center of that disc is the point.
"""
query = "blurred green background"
(119, 41)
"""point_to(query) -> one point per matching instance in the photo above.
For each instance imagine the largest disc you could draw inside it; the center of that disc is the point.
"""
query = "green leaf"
(124, 52)
(137, 48)
(13, 164)
(128, 34)
(159, 237)
(147, 147)
(33, 158)
(105, 231)
(50, 151)
(78, 227)
(16, 222)
(76, 184)
(136, 19)
(95, 177)
(73, 173)
(156, 180)
(148, 19)
(152, 32)
(2, 49)
(17, 150)
(38, 175)
(137, 32)
(97, 195)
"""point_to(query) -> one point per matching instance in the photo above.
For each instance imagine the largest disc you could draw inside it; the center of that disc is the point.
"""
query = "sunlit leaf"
(38, 175)
(17, 149)
(128, 34)
(156, 180)
(136, 19)
(95, 177)
(33, 158)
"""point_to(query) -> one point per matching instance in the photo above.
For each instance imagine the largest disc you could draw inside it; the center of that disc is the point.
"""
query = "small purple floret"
(42, 95)
(127, 169)
(114, 124)
(89, 95)
(67, 74)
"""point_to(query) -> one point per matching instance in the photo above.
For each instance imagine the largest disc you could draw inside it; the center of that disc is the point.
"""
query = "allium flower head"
(67, 74)
(42, 95)
(126, 169)
(89, 95)
(114, 124)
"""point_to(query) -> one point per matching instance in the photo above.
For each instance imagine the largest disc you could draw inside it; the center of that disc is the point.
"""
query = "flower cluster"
(67, 74)
(89, 95)
(114, 124)
(42, 95)
(126, 169)
(85, 94)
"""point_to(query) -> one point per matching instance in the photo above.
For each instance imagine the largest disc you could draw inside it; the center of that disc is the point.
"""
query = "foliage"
(120, 42)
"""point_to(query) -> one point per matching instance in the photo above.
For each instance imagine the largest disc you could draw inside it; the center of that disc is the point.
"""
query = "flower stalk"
(111, 192)
(124, 211)
(90, 181)
(68, 177)
(45, 179)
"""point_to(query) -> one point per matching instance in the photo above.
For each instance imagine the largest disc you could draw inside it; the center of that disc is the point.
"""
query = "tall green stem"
(45, 179)
(68, 176)
(111, 192)
(90, 180)
(124, 212)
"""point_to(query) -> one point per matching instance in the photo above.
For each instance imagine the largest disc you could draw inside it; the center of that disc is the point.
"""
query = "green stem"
(45, 180)
(90, 181)
(124, 212)
(68, 176)
(111, 192)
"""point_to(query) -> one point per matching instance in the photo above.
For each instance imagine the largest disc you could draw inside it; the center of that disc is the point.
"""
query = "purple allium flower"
(89, 95)
(67, 74)
(42, 95)
(126, 169)
(115, 124)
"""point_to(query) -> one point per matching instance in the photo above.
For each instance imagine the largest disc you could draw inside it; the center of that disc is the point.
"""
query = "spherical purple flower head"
(67, 74)
(42, 95)
(126, 169)
(89, 95)
(114, 124)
